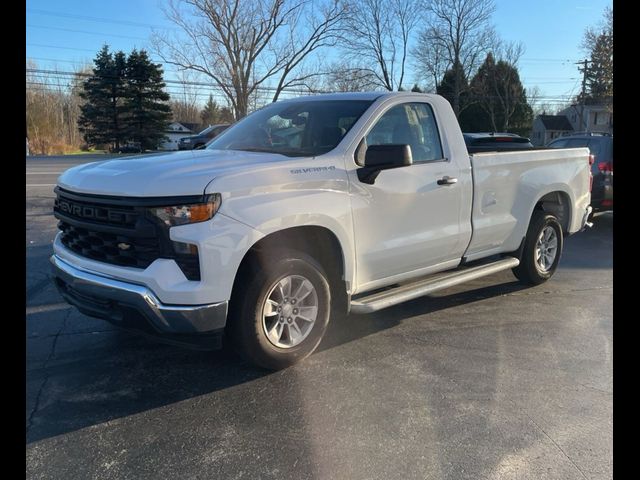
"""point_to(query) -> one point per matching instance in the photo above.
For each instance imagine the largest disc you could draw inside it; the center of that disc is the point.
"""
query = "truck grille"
(110, 248)
(107, 230)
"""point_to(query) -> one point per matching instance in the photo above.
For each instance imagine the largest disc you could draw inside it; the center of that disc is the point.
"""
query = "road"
(488, 380)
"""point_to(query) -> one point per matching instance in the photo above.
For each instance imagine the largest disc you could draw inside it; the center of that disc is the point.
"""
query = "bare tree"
(598, 44)
(380, 31)
(510, 52)
(184, 111)
(349, 77)
(458, 32)
(539, 104)
(534, 95)
(52, 110)
(431, 59)
(184, 105)
(591, 34)
(315, 28)
(242, 45)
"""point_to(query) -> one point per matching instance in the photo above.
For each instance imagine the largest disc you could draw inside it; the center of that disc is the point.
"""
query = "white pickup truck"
(355, 201)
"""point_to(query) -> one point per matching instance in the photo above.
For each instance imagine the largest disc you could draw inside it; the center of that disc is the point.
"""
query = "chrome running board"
(403, 293)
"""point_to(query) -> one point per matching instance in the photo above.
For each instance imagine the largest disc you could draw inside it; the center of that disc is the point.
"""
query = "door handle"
(446, 180)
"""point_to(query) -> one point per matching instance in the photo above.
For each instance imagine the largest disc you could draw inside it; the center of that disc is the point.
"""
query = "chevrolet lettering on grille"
(90, 212)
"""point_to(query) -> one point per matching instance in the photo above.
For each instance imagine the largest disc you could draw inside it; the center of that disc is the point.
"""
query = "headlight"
(183, 214)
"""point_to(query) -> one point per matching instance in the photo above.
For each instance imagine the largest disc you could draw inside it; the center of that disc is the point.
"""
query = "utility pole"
(583, 94)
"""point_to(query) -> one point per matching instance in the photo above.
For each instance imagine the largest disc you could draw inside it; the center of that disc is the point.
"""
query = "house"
(589, 118)
(548, 127)
(175, 131)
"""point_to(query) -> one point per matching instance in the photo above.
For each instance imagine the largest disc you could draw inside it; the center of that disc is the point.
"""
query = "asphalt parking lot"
(488, 380)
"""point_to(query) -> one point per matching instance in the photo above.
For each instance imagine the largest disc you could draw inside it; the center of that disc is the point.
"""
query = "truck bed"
(504, 187)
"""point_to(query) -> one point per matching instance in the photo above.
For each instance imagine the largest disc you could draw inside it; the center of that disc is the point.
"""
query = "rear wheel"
(542, 249)
(280, 310)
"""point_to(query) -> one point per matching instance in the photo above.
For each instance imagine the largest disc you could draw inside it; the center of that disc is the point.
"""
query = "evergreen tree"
(475, 119)
(600, 71)
(212, 113)
(598, 42)
(499, 100)
(454, 86)
(102, 115)
(416, 88)
(148, 113)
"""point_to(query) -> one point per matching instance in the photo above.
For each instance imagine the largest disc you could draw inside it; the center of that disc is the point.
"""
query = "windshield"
(295, 129)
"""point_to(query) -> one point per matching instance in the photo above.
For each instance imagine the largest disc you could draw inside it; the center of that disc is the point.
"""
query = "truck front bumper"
(136, 307)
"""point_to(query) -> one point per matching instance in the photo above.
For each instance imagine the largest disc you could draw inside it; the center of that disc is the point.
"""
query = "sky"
(64, 34)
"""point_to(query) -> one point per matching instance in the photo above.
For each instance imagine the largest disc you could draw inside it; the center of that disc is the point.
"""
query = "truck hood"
(160, 175)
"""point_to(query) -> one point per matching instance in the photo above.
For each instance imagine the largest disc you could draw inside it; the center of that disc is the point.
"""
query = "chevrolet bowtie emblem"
(124, 246)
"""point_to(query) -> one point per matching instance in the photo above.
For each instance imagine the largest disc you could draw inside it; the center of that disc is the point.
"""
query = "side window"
(577, 142)
(410, 124)
(558, 144)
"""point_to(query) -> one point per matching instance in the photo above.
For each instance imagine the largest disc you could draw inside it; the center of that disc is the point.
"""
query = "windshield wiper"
(253, 149)
(287, 153)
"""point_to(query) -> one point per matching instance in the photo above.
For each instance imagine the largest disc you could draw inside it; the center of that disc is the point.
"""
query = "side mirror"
(383, 157)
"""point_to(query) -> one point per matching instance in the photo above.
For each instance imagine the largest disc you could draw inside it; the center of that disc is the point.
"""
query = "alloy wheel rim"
(290, 311)
(546, 249)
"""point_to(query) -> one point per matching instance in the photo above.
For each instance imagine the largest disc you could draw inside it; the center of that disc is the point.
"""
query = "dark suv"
(495, 142)
(199, 140)
(601, 147)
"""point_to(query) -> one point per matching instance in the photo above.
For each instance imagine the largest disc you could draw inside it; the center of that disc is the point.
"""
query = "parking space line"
(47, 308)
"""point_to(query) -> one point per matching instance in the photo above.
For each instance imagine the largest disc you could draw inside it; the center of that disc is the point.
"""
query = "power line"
(60, 73)
(73, 62)
(529, 80)
(97, 19)
(85, 32)
(218, 95)
(59, 47)
(537, 82)
(155, 60)
(531, 59)
(89, 63)
(170, 81)
(48, 87)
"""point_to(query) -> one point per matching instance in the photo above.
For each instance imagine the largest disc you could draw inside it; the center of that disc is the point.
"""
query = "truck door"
(409, 221)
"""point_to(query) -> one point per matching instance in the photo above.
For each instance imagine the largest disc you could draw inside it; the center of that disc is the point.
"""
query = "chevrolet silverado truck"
(304, 209)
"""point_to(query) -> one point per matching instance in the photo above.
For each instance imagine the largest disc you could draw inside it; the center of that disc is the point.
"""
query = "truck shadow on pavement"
(96, 375)
(350, 328)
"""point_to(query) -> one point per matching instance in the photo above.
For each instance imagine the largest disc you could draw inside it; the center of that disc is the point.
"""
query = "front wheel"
(281, 310)
(542, 249)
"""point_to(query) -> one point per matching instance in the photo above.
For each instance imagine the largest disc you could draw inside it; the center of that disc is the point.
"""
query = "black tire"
(245, 324)
(529, 271)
